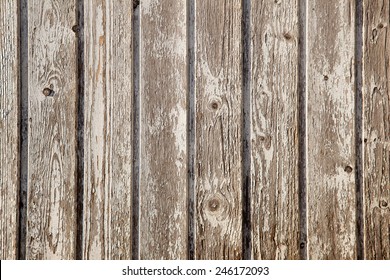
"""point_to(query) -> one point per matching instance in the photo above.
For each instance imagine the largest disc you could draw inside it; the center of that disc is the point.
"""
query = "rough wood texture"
(218, 134)
(330, 130)
(274, 130)
(108, 130)
(163, 130)
(9, 129)
(52, 94)
(376, 124)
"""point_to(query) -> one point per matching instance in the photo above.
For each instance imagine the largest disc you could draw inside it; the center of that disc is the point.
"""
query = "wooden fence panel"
(9, 129)
(52, 103)
(163, 130)
(376, 125)
(274, 130)
(218, 130)
(108, 156)
(331, 207)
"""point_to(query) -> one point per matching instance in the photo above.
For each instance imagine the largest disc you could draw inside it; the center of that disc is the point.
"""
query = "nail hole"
(348, 169)
(214, 105)
(365, 140)
(48, 92)
(302, 245)
(213, 205)
(326, 77)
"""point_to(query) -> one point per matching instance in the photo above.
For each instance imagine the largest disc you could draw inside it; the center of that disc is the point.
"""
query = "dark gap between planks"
(246, 174)
(79, 30)
(358, 128)
(302, 186)
(136, 129)
(23, 163)
(191, 128)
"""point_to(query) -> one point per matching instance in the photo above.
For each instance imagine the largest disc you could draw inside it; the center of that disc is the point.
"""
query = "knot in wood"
(287, 36)
(380, 25)
(383, 204)
(348, 169)
(215, 103)
(213, 204)
(48, 92)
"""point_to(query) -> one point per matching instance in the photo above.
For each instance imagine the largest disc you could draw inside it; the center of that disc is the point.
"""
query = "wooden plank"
(331, 206)
(9, 129)
(52, 95)
(163, 125)
(274, 130)
(107, 221)
(218, 130)
(376, 125)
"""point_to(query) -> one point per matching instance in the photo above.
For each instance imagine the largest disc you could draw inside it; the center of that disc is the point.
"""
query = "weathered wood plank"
(9, 129)
(376, 125)
(274, 128)
(330, 130)
(163, 125)
(107, 222)
(52, 100)
(218, 130)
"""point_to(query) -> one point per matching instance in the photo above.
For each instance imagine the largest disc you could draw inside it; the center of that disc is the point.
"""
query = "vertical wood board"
(218, 130)
(52, 101)
(9, 129)
(163, 130)
(274, 130)
(376, 125)
(331, 197)
(108, 110)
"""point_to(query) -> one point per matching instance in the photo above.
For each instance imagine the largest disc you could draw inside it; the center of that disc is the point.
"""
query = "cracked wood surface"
(163, 130)
(108, 130)
(52, 113)
(274, 129)
(376, 125)
(9, 129)
(218, 130)
(331, 205)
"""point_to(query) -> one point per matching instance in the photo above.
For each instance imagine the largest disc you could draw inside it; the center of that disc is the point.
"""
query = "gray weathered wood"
(163, 130)
(376, 125)
(331, 210)
(9, 129)
(52, 94)
(218, 130)
(274, 129)
(107, 221)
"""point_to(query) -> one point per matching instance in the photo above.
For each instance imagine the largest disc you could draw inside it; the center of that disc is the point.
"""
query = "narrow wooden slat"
(330, 152)
(218, 134)
(107, 222)
(274, 130)
(9, 129)
(163, 142)
(52, 95)
(376, 125)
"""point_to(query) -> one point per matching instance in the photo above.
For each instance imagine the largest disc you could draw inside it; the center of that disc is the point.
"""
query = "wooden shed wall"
(194, 129)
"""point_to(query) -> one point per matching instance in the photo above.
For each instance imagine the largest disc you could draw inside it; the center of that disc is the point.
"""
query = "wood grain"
(107, 222)
(274, 130)
(330, 151)
(9, 129)
(163, 130)
(376, 125)
(52, 96)
(218, 130)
